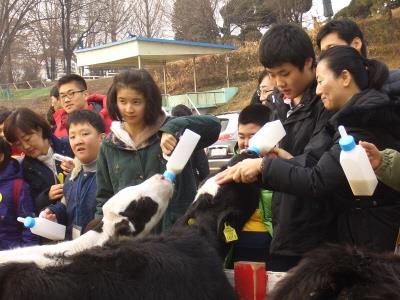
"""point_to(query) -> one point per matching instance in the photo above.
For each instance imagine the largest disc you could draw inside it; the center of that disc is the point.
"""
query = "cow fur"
(133, 211)
(185, 263)
(341, 273)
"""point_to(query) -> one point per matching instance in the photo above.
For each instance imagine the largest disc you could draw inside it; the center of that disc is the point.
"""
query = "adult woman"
(30, 133)
(348, 83)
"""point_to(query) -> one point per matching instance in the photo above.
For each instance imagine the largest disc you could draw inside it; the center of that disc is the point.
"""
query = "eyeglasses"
(263, 92)
(70, 94)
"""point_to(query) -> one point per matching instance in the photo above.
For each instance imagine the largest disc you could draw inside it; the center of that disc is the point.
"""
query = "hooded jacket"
(12, 233)
(372, 222)
(123, 163)
(96, 103)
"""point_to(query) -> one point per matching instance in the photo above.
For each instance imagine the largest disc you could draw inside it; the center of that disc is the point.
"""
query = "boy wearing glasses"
(74, 96)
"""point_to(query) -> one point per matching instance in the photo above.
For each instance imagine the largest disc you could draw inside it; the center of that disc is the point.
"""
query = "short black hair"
(79, 80)
(87, 116)
(4, 113)
(254, 114)
(181, 110)
(346, 29)
(366, 73)
(54, 92)
(5, 148)
(26, 121)
(141, 81)
(285, 43)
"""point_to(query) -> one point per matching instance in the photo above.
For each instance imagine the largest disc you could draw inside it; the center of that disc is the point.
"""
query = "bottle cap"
(254, 149)
(347, 143)
(29, 222)
(169, 175)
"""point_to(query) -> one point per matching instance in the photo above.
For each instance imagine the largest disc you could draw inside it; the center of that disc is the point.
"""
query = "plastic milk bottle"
(45, 228)
(356, 166)
(181, 154)
(267, 137)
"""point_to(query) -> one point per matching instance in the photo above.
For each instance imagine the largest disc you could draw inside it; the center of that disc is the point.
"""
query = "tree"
(290, 11)
(248, 15)
(78, 18)
(194, 20)
(366, 8)
(14, 17)
(47, 32)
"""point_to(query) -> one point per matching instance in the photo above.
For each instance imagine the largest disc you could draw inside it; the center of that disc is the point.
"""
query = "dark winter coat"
(39, 177)
(119, 167)
(392, 85)
(12, 232)
(372, 222)
(200, 165)
(80, 202)
(298, 226)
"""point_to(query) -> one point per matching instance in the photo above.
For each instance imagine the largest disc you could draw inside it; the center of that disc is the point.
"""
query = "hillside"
(383, 38)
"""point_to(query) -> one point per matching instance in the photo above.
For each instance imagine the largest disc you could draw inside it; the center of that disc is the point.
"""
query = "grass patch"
(24, 93)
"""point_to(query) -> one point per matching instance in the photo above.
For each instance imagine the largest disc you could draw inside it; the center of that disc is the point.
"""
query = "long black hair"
(141, 81)
(366, 73)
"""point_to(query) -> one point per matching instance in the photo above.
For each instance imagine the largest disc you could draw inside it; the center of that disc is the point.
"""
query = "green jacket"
(119, 166)
(389, 170)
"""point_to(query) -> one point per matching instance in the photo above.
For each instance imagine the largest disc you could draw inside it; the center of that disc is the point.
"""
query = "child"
(86, 130)
(256, 236)
(15, 201)
(140, 134)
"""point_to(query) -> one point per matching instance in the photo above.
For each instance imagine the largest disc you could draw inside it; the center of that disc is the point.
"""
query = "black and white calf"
(341, 273)
(132, 212)
(185, 263)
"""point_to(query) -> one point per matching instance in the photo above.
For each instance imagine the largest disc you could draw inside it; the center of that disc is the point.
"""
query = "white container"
(267, 137)
(45, 228)
(181, 154)
(356, 166)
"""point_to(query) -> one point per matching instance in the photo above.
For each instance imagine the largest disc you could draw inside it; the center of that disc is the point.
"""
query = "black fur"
(340, 273)
(185, 263)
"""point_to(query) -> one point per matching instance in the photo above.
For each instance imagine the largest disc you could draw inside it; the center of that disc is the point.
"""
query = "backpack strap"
(17, 192)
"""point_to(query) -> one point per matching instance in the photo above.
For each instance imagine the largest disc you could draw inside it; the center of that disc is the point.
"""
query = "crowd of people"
(121, 139)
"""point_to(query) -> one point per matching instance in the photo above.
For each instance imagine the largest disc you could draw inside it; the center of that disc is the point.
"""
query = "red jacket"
(96, 102)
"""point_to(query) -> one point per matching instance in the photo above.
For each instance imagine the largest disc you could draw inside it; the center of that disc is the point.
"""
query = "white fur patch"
(209, 187)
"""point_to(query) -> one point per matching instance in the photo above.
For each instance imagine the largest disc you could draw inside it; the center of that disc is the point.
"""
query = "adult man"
(347, 32)
(74, 96)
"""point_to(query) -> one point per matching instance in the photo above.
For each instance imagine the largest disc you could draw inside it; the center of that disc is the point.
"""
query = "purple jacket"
(12, 232)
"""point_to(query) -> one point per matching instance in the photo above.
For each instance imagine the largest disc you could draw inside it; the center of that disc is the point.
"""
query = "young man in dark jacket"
(347, 32)
(287, 53)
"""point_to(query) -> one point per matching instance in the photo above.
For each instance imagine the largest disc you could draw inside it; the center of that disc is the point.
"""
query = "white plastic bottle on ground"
(356, 166)
(267, 137)
(45, 228)
(181, 154)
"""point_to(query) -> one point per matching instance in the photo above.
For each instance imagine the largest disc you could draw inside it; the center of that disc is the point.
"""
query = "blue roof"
(166, 41)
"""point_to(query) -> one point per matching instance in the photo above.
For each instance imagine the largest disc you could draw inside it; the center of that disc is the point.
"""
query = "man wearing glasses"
(74, 96)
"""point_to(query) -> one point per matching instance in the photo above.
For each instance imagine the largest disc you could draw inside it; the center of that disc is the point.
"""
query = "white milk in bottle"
(356, 166)
(45, 228)
(181, 154)
(267, 137)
